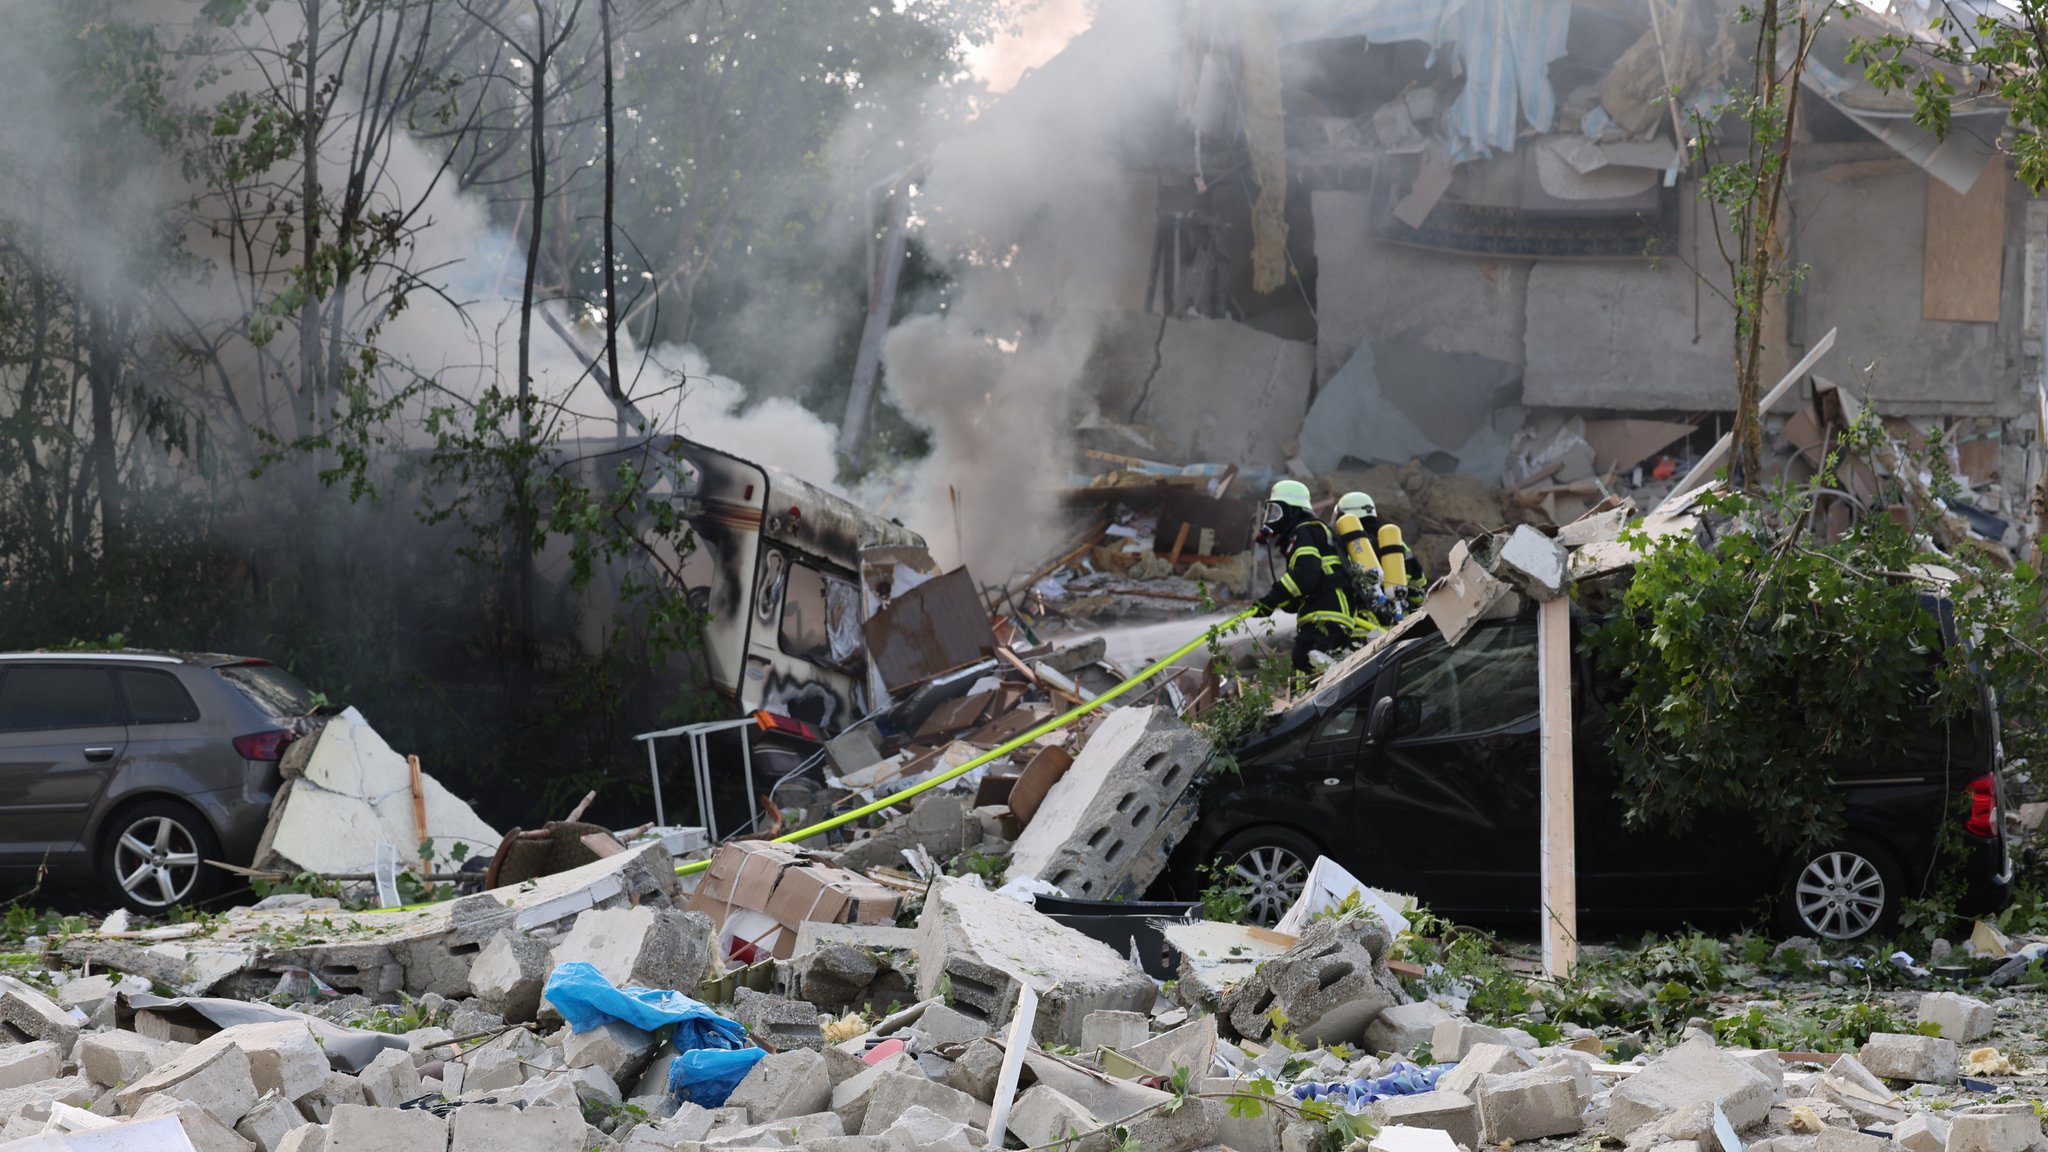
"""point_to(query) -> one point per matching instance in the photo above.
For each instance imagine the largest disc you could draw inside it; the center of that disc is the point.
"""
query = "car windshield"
(274, 690)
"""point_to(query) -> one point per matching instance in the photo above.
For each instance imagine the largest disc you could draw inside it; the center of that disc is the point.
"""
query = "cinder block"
(896, 1092)
(1102, 831)
(26, 1014)
(1452, 1038)
(1923, 1059)
(976, 1070)
(505, 1128)
(1529, 1106)
(787, 1023)
(1331, 985)
(1963, 1019)
(361, 1128)
(968, 938)
(785, 1084)
(30, 1063)
(113, 1058)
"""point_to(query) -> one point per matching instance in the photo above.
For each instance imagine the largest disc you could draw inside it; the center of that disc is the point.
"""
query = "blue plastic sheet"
(715, 1052)
(1354, 1095)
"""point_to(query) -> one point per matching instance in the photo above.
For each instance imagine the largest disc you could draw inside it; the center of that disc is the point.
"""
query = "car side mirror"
(1376, 724)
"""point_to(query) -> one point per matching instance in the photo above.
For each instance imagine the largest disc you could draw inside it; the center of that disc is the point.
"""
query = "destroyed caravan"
(1415, 766)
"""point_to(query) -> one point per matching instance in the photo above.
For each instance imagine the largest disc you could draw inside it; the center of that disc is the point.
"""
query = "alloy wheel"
(1273, 879)
(156, 861)
(1840, 895)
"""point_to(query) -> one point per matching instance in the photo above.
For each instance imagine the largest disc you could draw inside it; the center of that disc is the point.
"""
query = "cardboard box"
(831, 895)
(743, 874)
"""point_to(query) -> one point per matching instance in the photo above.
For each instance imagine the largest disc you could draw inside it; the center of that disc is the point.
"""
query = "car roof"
(132, 656)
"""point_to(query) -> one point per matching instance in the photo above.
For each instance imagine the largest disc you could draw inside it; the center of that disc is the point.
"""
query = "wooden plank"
(1180, 541)
(933, 629)
(1964, 264)
(419, 813)
(1559, 867)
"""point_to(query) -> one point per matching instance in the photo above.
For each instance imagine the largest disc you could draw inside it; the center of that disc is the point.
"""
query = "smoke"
(1032, 205)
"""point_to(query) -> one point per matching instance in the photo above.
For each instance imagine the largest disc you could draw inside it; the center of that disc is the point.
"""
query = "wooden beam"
(1559, 866)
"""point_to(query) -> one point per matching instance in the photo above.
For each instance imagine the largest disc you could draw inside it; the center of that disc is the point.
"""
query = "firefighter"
(1403, 572)
(1314, 584)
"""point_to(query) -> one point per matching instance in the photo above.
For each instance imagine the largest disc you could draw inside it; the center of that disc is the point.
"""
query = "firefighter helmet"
(1357, 504)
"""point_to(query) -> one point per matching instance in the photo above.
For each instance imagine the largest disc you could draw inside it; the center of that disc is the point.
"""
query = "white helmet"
(1357, 504)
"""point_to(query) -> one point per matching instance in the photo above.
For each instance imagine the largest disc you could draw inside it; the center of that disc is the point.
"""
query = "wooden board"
(1559, 852)
(1965, 257)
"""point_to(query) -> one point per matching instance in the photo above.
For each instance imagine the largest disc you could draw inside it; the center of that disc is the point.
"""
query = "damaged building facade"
(1464, 238)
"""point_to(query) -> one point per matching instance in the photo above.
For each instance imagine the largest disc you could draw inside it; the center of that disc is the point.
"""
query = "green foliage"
(1245, 705)
(1830, 1027)
(1757, 659)
(991, 867)
(2002, 53)
(1464, 960)
(1226, 899)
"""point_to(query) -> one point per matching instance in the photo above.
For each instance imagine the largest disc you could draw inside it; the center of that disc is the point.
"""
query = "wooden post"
(419, 815)
(1558, 860)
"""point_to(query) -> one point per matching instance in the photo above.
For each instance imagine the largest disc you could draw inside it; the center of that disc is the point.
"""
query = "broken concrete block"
(1403, 1139)
(1692, 1073)
(1453, 1038)
(796, 1131)
(591, 1085)
(1331, 985)
(214, 1076)
(1402, 1028)
(615, 1047)
(895, 1092)
(508, 975)
(1534, 562)
(26, 1014)
(202, 1128)
(30, 1063)
(390, 1080)
(1102, 831)
(284, 1056)
(943, 1025)
(1483, 1060)
(115, 1058)
(1963, 1019)
(87, 993)
(1995, 1128)
(850, 1097)
(977, 1069)
(311, 1138)
(1122, 1031)
(784, 1084)
(1922, 1132)
(360, 1128)
(970, 940)
(786, 1023)
(1191, 1046)
(505, 1128)
(1528, 1105)
(269, 1122)
(1043, 1116)
(319, 1104)
(1834, 1139)
(1454, 1113)
(1259, 1133)
(642, 946)
(1923, 1059)
(920, 1128)
(846, 965)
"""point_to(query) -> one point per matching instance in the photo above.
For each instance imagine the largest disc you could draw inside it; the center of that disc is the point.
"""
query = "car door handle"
(99, 755)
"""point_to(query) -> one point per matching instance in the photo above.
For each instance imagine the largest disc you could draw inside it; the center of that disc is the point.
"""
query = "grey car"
(135, 769)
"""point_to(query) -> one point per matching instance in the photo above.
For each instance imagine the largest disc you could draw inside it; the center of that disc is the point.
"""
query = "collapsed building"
(1457, 255)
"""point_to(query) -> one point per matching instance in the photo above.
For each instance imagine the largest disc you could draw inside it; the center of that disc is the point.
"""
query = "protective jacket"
(1315, 585)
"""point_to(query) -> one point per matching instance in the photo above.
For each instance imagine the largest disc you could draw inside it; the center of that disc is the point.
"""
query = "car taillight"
(266, 745)
(770, 722)
(1983, 819)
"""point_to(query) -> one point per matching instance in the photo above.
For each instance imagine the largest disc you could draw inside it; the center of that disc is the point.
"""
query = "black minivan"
(1417, 770)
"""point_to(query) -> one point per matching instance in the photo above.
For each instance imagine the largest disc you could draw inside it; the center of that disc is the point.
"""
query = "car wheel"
(154, 856)
(1846, 892)
(1271, 864)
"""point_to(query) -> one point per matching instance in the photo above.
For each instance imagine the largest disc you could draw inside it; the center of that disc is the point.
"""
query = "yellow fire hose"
(1001, 750)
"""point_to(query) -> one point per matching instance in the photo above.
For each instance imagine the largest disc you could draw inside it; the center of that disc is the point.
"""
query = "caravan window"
(820, 618)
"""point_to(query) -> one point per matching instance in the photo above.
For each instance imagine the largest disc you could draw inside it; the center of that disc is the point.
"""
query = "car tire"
(153, 857)
(1273, 862)
(1842, 892)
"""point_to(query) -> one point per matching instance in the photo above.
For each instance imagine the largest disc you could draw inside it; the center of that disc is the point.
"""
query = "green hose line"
(1052, 725)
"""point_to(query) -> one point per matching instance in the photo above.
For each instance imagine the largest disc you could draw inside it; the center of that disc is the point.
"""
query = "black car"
(1417, 770)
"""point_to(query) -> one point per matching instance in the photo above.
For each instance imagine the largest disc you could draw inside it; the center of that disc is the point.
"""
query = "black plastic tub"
(1117, 922)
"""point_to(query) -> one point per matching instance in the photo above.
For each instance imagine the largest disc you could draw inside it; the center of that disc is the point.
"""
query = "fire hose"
(1000, 750)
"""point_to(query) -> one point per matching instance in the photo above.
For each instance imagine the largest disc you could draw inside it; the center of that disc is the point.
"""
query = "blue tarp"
(1354, 1095)
(715, 1054)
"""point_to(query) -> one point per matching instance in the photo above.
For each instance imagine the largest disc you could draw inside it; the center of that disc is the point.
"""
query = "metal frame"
(700, 768)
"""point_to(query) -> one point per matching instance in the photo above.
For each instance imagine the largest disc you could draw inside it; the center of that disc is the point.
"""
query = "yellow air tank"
(1360, 548)
(1393, 560)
